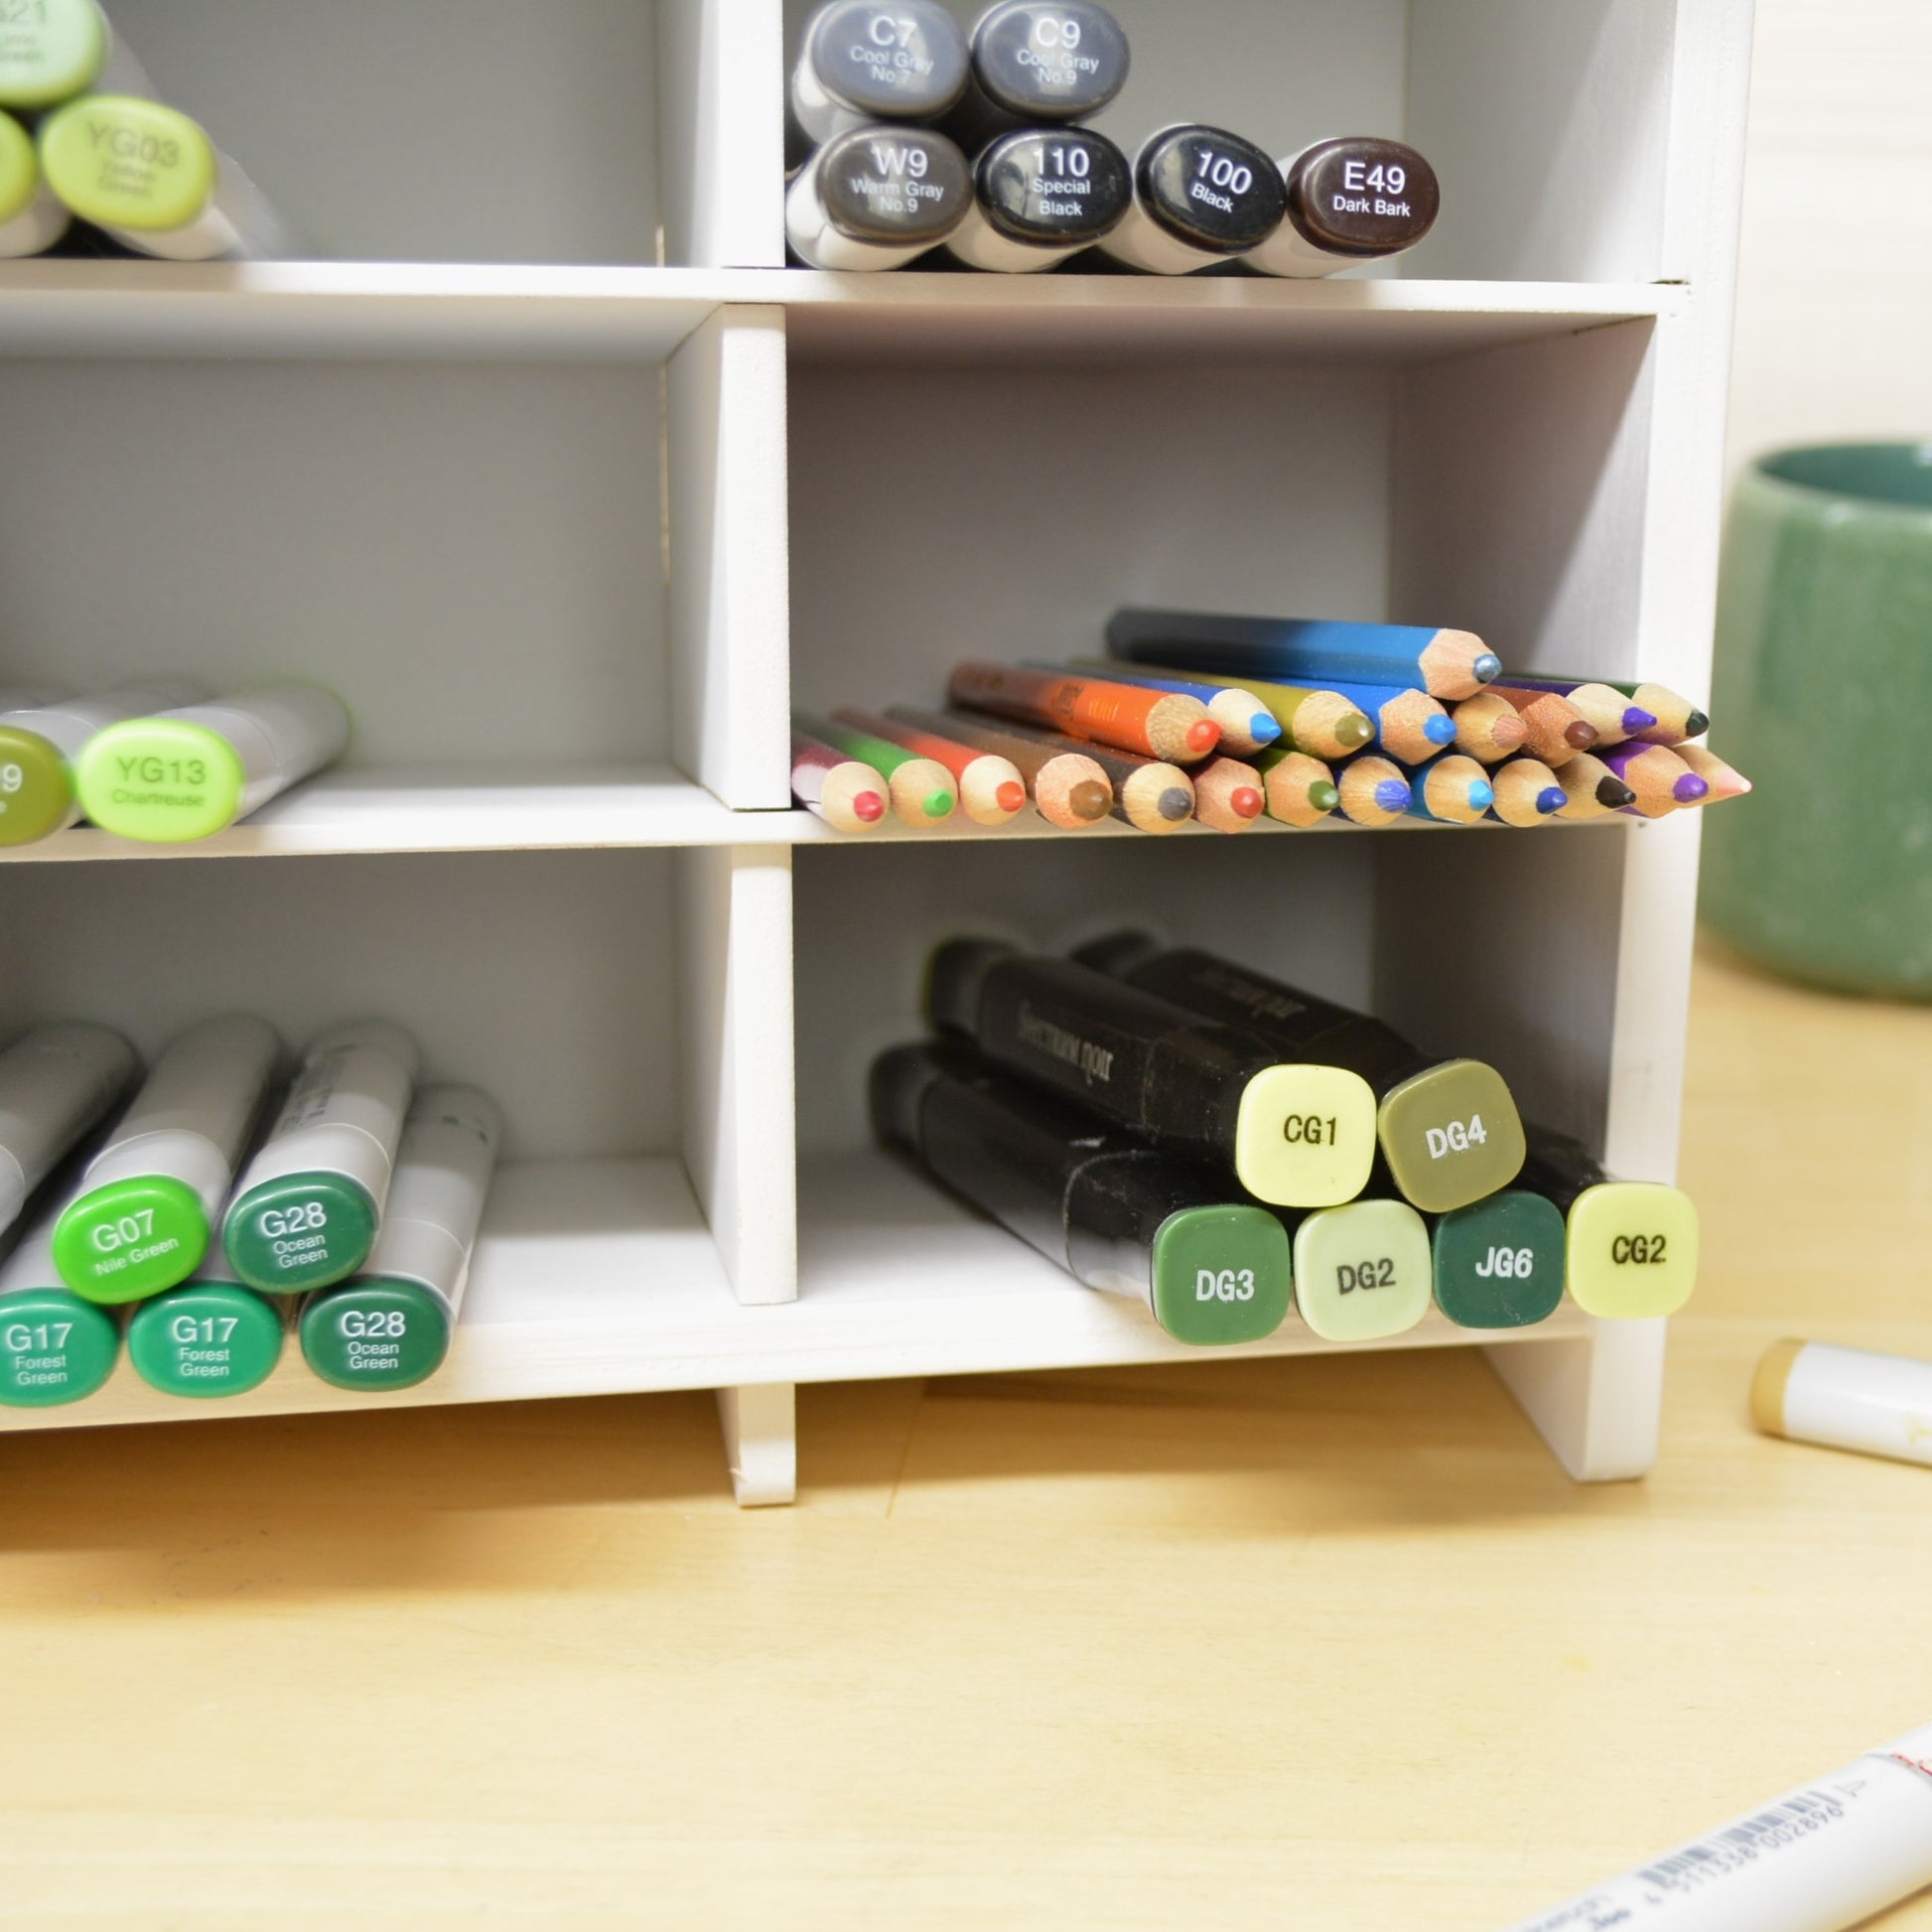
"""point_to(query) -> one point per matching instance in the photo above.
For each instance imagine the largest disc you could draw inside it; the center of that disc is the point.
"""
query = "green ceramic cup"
(1823, 697)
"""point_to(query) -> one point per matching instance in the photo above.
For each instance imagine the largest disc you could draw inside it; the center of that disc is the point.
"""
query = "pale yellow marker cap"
(1634, 1249)
(125, 163)
(1769, 1383)
(19, 170)
(1305, 1136)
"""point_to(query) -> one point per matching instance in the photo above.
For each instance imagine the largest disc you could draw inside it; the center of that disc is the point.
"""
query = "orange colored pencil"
(991, 790)
(1134, 718)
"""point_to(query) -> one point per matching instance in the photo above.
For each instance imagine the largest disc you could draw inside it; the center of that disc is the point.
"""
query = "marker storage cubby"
(569, 486)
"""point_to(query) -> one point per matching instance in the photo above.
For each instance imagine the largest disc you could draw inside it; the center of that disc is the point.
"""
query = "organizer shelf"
(571, 490)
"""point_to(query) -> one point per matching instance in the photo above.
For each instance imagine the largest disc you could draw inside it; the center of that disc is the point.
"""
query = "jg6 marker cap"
(54, 1348)
(55, 1082)
(1200, 196)
(207, 1338)
(1351, 200)
(860, 62)
(150, 1201)
(1118, 1216)
(308, 1203)
(877, 197)
(1040, 195)
(390, 1327)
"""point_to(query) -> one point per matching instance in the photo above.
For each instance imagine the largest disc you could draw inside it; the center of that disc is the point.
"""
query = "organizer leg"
(1595, 1400)
(761, 1443)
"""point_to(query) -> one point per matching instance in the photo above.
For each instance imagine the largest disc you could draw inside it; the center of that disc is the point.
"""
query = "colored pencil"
(1299, 789)
(921, 790)
(991, 790)
(1152, 724)
(1527, 792)
(1454, 789)
(1724, 781)
(1150, 794)
(1615, 715)
(1246, 725)
(1227, 795)
(1590, 789)
(1410, 725)
(845, 793)
(1554, 730)
(1324, 724)
(1677, 718)
(1489, 728)
(1372, 790)
(1068, 789)
(1660, 778)
(1314, 652)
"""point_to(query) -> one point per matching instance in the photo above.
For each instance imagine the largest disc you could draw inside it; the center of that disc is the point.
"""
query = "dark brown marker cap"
(1339, 197)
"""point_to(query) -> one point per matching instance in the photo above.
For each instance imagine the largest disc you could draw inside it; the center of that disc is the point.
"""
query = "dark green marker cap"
(1221, 1275)
(375, 1334)
(304, 1230)
(1499, 1263)
(54, 1348)
(130, 1239)
(205, 1339)
(36, 788)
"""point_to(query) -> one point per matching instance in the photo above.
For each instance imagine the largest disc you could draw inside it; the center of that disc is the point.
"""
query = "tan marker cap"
(1769, 1383)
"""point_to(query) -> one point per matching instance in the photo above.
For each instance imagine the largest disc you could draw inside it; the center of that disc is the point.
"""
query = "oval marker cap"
(122, 163)
(1050, 60)
(1451, 1135)
(865, 176)
(1305, 1136)
(1634, 1249)
(1363, 1272)
(131, 1239)
(161, 780)
(1176, 170)
(20, 169)
(1499, 1263)
(206, 1340)
(1340, 196)
(1026, 197)
(54, 1348)
(1221, 1275)
(375, 1334)
(48, 60)
(905, 62)
(36, 786)
(304, 1230)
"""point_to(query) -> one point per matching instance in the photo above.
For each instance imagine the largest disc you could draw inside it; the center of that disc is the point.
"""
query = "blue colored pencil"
(1410, 725)
(1247, 725)
(1454, 789)
(1371, 790)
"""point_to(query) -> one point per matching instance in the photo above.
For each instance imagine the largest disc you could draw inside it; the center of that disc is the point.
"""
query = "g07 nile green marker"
(55, 1082)
(149, 1202)
(308, 1203)
(54, 1347)
(210, 1337)
(40, 741)
(389, 1328)
(185, 775)
(32, 217)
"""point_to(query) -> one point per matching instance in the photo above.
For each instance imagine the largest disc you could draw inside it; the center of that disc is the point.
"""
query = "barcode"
(1805, 1810)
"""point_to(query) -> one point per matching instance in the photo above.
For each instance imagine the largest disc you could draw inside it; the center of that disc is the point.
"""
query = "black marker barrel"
(860, 62)
(1299, 1136)
(1118, 1216)
(1200, 196)
(1449, 1129)
(1040, 194)
(877, 197)
(1356, 200)
(1037, 61)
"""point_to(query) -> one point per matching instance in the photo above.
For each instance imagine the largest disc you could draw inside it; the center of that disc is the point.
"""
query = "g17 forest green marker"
(32, 217)
(1449, 1129)
(210, 1337)
(151, 1199)
(1362, 1272)
(1499, 1262)
(1300, 1136)
(306, 1210)
(1116, 1214)
(185, 775)
(54, 1347)
(389, 1327)
(55, 1082)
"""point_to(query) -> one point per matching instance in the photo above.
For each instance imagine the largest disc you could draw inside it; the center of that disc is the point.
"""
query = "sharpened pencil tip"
(1090, 800)
(1637, 718)
(1482, 794)
(1614, 793)
(1579, 733)
(1393, 796)
(1689, 788)
(1009, 795)
(1439, 731)
(868, 809)
(1323, 797)
(1245, 802)
(1264, 727)
(1487, 669)
(1202, 736)
(936, 804)
(1353, 731)
(1695, 725)
(1175, 805)
(1550, 800)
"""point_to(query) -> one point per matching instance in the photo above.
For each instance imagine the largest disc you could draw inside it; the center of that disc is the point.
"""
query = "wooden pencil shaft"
(1298, 790)
(1156, 724)
(990, 788)
(1590, 789)
(1489, 728)
(1228, 795)
(1554, 731)
(1237, 712)
(1317, 721)
(1614, 716)
(1724, 781)
(1150, 794)
(1527, 792)
(1070, 789)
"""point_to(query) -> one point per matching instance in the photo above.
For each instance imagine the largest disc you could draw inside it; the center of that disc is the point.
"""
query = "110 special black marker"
(1040, 194)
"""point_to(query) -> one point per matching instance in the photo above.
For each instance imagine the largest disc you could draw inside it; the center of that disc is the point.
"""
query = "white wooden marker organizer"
(566, 536)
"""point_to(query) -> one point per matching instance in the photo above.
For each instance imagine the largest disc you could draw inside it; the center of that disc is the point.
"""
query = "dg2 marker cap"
(1200, 196)
(1041, 195)
(1449, 1129)
(55, 1082)
(390, 1326)
(1362, 1271)
(54, 1348)
(185, 775)
(1118, 1216)
(150, 1201)
(861, 62)
(1300, 1136)
(32, 217)
(307, 1205)
(877, 197)
(1499, 1263)
(208, 1338)
(1350, 200)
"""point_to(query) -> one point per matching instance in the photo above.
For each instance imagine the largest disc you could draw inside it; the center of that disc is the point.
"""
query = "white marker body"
(36, 227)
(30, 1269)
(192, 1118)
(281, 736)
(1288, 252)
(815, 239)
(345, 1113)
(1853, 1399)
(68, 726)
(55, 1083)
(979, 244)
(819, 113)
(435, 1201)
(236, 223)
(1142, 242)
(1822, 1858)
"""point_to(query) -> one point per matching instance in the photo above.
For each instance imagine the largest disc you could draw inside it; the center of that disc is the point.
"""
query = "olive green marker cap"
(123, 163)
(161, 779)
(1499, 1262)
(48, 60)
(19, 170)
(206, 1340)
(54, 1348)
(1451, 1135)
(1221, 1275)
(1634, 1249)
(1363, 1272)
(36, 786)
(374, 1334)
(131, 1239)
(1305, 1136)
(304, 1230)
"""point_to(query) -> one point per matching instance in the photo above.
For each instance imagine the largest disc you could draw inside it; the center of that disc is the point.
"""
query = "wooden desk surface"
(1311, 1643)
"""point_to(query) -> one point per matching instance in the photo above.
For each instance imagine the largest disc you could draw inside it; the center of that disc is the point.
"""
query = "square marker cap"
(1499, 1263)
(1451, 1135)
(1634, 1249)
(1363, 1272)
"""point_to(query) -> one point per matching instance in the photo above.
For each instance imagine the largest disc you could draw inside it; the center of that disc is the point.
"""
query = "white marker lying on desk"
(1818, 1859)
(1846, 1398)
(55, 1081)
